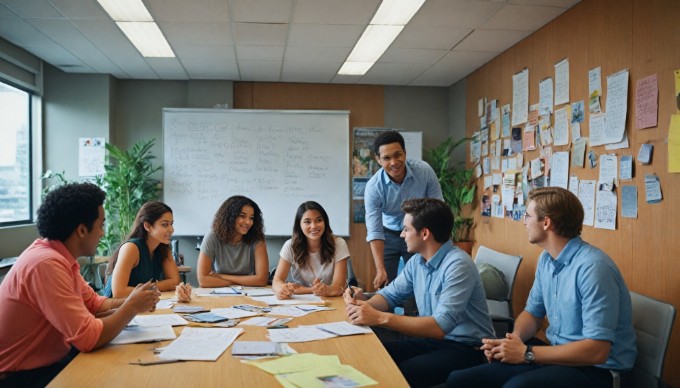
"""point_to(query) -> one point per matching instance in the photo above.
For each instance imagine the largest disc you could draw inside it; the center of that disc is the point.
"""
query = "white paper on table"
(258, 321)
(233, 313)
(260, 291)
(218, 291)
(135, 334)
(294, 299)
(342, 328)
(166, 303)
(288, 311)
(158, 320)
(200, 344)
(299, 334)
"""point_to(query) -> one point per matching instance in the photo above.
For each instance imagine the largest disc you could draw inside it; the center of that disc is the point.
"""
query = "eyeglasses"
(525, 216)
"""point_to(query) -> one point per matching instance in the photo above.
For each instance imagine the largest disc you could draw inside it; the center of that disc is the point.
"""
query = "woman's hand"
(286, 291)
(183, 292)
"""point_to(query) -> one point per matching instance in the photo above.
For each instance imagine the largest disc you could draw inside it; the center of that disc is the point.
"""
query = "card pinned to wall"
(652, 189)
(626, 167)
(645, 154)
(629, 208)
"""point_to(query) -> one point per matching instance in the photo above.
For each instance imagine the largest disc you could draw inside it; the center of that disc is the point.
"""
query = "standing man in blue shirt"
(399, 179)
(581, 292)
(449, 295)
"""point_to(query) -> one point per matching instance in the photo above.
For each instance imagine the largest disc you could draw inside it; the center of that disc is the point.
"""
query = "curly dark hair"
(149, 212)
(68, 206)
(299, 243)
(225, 219)
(387, 137)
(430, 213)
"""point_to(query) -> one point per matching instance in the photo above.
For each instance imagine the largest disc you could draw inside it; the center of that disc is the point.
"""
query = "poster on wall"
(91, 153)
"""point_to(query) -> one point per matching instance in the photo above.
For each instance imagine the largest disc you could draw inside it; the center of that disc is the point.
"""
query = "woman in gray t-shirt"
(234, 250)
(314, 260)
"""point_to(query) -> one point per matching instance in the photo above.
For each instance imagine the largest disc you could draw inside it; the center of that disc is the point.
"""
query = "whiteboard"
(279, 159)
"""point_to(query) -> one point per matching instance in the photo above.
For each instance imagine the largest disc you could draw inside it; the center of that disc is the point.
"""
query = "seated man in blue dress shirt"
(449, 295)
(579, 289)
(399, 179)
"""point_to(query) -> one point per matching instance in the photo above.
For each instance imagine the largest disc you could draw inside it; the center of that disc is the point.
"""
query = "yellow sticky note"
(674, 144)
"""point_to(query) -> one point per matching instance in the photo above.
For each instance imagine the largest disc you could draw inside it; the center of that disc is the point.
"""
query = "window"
(15, 156)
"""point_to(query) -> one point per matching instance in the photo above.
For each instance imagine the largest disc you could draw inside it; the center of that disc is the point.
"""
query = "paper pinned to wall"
(520, 97)
(91, 156)
(562, 82)
(617, 107)
(586, 194)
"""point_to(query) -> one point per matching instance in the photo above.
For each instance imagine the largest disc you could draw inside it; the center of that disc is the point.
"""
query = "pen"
(153, 362)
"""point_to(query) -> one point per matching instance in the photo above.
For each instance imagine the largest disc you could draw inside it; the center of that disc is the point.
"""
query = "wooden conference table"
(109, 366)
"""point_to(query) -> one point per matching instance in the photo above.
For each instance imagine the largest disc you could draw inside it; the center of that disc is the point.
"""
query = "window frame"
(31, 98)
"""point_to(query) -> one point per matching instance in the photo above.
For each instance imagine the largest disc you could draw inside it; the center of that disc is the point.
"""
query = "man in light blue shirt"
(399, 179)
(449, 295)
(579, 289)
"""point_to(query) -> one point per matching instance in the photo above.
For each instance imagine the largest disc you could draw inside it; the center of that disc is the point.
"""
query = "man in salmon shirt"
(47, 311)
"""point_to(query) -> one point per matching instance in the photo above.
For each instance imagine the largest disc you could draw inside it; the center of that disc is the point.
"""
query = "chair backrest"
(508, 264)
(653, 322)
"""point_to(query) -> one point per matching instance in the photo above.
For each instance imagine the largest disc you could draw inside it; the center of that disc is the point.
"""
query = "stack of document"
(258, 291)
(135, 334)
(200, 344)
(220, 291)
(294, 299)
(255, 348)
(317, 332)
(158, 320)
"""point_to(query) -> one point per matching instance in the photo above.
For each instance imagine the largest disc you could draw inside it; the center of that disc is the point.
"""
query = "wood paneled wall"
(366, 106)
(644, 37)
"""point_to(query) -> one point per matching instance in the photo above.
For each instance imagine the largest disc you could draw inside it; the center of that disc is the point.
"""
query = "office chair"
(653, 323)
(500, 311)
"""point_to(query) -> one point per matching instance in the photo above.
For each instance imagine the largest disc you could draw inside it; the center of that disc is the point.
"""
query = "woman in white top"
(316, 256)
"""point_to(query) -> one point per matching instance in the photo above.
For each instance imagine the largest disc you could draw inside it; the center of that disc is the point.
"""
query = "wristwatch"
(529, 355)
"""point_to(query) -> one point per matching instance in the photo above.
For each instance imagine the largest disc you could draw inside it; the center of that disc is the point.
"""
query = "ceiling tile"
(260, 70)
(521, 17)
(424, 37)
(393, 73)
(260, 11)
(459, 13)
(6, 12)
(208, 62)
(335, 12)
(23, 34)
(72, 40)
(259, 53)
(188, 11)
(56, 56)
(33, 8)
(79, 9)
(299, 67)
(167, 68)
(317, 35)
(491, 40)
(454, 66)
(207, 33)
(260, 34)
(317, 54)
(397, 55)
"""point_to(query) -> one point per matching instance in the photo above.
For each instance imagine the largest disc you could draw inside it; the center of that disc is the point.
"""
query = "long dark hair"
(150, 212)
(225, 219)
(300, 246)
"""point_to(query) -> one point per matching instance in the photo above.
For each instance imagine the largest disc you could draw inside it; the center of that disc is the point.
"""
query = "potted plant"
(128, 183)
(458, 188)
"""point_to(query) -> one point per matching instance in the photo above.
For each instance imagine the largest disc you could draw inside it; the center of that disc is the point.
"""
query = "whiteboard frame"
(337, 224)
